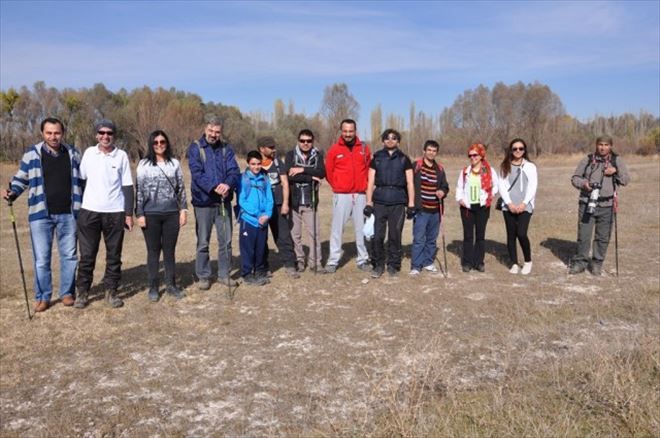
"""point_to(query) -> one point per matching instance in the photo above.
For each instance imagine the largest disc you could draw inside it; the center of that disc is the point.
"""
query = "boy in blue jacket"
(255, 199)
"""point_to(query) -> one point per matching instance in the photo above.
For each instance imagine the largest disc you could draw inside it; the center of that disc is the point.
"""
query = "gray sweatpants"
(305, 216)
(345, 205)
(601, 220)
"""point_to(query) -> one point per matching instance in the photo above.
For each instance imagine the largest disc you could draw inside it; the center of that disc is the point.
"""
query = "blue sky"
(599, 57)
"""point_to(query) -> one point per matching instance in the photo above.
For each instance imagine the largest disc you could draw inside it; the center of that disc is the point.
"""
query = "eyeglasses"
(517, 149)
(473, 155)
(159, 143)
(305, 140)
(108, 133)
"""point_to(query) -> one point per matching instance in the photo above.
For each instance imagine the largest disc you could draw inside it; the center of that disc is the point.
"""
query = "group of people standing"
(79, 199)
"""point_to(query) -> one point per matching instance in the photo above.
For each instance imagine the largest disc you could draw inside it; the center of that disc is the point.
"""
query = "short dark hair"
(253, 154)
(431, 143)
(307, 132)
(349, 121)
(52, 121)
(151, 154)
(386, 133)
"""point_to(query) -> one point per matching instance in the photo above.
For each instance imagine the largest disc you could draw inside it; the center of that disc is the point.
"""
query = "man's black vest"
(390, 178)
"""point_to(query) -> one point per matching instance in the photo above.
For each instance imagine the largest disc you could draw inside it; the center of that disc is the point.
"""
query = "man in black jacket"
(305, 170)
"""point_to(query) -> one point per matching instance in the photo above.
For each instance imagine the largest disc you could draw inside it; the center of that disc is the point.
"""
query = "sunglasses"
(473, 155)
(159, 143)
(517, 149)
(108, 133)
(305, 140)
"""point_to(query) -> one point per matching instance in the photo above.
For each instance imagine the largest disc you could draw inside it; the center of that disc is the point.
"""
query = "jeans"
(426, 227)
(63, 227)
(91, 225)
(205, 219)
(161, 233)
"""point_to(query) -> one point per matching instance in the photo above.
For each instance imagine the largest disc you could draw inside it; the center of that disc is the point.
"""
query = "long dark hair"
(151, 154)
(505, 167)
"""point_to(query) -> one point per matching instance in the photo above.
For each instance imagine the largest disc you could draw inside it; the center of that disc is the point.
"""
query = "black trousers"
(91, 226)
(390, 219)
(516, 228)
(280, 226)
(161, 233)
(474, 221)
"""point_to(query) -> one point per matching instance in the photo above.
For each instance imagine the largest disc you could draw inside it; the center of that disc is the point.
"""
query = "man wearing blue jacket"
(214, 175)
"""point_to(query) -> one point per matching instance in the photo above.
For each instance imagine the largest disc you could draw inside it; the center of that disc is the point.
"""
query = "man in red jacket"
(347, 168)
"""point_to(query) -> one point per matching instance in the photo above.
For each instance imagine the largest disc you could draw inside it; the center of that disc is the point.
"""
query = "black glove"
(410, 212)
(368, 211)
(11, 196)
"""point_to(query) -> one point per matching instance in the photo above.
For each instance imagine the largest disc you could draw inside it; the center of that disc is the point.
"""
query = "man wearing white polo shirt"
(107, 207)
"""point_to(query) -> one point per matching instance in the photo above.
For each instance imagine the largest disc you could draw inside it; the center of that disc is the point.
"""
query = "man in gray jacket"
(597, 177)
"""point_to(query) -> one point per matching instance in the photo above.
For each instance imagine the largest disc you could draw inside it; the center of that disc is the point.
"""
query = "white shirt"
(105, 175)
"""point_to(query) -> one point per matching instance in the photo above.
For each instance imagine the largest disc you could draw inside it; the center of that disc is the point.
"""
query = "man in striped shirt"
(431, 188)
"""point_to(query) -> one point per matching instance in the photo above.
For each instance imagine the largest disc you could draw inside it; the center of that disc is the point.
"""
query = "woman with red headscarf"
(477, 184)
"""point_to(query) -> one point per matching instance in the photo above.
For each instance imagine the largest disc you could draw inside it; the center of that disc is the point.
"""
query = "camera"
(593, 198)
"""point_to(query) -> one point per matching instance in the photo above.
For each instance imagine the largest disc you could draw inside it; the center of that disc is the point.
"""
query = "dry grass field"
(478, 354)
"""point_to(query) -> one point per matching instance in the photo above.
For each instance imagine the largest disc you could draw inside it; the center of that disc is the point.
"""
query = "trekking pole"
(223, 213)
(442, 230)
(10, 202)
(314, 225)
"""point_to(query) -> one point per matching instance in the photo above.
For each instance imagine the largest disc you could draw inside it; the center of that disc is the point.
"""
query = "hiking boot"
(481, 267)
(204, 284)
(596, 269)
(366, 267)
(514, 269)
(414, 272)
(256, 280)
(112, 299)
(292, 272)
(431, 268)
(67, 300)
(175, 292)
(81, 300)
(577, 268)
(377, 272)
(153, 294)
(330, 269)
(526, 269)
(41, 306)
(392, 272)
(300, 266)
(466, 268)
(227, 282)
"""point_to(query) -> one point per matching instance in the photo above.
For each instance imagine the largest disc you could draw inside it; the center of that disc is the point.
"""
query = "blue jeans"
(63, 227)
(205, 219)
(426, 227)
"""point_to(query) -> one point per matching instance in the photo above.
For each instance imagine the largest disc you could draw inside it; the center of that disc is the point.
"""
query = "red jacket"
(347, 169)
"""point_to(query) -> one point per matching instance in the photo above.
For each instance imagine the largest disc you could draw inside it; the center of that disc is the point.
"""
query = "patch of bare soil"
(324, 354)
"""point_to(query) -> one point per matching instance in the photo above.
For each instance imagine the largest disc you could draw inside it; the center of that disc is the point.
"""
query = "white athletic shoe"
(430, 268)
(514, 269)
(526, 269)
(414, 272)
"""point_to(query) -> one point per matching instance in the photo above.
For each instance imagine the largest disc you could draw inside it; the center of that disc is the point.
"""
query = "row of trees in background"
(491, 116)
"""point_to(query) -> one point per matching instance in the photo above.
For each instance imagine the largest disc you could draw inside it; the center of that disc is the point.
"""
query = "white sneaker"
(526, 269)
(414, 272)
(514, 269)
(430, 268)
